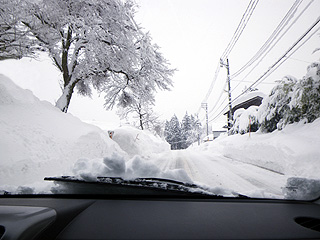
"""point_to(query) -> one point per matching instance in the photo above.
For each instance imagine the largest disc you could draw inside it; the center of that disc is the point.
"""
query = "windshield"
(222, 96)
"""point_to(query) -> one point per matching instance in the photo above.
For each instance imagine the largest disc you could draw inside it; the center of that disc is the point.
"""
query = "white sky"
(192, 35)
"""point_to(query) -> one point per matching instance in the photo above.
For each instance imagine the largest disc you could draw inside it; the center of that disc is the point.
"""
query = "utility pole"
(205, 107)
(230, 115)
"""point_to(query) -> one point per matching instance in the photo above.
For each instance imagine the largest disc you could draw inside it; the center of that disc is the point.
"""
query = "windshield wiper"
(119, 186)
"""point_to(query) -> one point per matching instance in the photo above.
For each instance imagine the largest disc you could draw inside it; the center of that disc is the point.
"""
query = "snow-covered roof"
(247, 96)
(246, 100)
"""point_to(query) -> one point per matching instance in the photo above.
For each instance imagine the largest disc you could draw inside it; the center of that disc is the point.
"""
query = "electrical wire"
(278, 63)
(272, 37)
(289, 15)
(267, 52)
(284, 57)
(211, 85)
(243, 22)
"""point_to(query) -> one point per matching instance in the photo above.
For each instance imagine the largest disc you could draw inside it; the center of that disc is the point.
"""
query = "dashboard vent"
(308, 222)
(2, 230)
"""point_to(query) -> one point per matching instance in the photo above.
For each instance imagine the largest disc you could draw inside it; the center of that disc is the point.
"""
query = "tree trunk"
(69, 84)
(64, 101)
(141, 122)
(139, 107)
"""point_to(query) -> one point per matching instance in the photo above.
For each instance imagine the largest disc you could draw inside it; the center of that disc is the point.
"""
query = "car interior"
(155, 217)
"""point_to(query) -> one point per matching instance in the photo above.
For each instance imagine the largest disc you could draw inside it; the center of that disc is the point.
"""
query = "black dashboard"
(119, 217)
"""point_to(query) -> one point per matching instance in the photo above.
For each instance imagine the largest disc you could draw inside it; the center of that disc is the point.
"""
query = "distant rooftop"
(253, 98)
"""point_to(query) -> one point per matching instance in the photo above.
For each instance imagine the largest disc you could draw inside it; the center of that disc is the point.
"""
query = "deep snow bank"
(136, 142)
(38, 140)
(294, 151)
(143, 150)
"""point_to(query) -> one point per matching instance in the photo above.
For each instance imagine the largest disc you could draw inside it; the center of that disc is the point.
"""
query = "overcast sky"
(192, 35)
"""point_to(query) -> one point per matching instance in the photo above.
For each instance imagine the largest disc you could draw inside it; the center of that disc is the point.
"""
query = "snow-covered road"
(219, 171)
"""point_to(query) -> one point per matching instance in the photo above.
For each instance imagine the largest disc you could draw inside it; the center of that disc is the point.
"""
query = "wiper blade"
(116, 185)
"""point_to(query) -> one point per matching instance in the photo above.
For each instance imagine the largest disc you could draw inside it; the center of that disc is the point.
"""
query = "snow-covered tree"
(292, 101)
(196, 130)
(182, 135)
(186, 128)
(173, 133)
(190, 130)
(144, 115)
(167, 131)
(15, 39)
(98, 44)
(308, 93)
(277, 109)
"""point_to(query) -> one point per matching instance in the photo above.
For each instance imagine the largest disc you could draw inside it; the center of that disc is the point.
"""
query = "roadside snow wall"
(38, 140)
(293, 151)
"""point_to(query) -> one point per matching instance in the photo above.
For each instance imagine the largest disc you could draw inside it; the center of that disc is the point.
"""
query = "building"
(247, 100)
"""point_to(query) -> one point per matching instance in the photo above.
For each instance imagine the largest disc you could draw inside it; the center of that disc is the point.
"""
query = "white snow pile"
(293, 151)
(136, 142)
(243, 119)
(143, 152)
(38, 140)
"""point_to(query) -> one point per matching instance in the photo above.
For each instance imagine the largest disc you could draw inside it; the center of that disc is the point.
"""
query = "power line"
(284, 55)
(299, 60)
(271, 39)
(211, 85)
(235, 80)
(268, 51)
(243, 22)
(278, 63)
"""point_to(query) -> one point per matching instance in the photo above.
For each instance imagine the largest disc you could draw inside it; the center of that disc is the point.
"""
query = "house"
(217, 129)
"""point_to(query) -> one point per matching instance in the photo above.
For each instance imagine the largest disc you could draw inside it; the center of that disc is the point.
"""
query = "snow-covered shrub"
(308, 94)
(277, 109)
(292, 101)
(245, 120)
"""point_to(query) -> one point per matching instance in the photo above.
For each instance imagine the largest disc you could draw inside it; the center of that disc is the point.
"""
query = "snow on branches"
(182, 135)
(97, 44)
(292, 101)
(16, 40)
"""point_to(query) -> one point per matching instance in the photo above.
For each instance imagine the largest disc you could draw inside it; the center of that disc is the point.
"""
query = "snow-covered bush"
(308, 94)
(277, 109)
(245, 120)
(292, 101)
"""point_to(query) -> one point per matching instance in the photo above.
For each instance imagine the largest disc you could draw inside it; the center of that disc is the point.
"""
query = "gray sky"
(192, 35)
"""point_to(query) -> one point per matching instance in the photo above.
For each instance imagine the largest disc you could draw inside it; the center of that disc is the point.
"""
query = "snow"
(293, 151)
(38, 140)
(243, 119)
(249, 95)
(136, 142)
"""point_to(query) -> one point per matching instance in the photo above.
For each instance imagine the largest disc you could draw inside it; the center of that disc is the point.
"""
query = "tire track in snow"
(219, 171)
(256, 165)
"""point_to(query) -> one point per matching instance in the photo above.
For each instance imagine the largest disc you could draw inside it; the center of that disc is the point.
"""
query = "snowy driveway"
(215, 170)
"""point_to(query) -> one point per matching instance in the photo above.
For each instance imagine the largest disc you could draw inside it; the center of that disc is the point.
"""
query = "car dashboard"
(118, 217)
